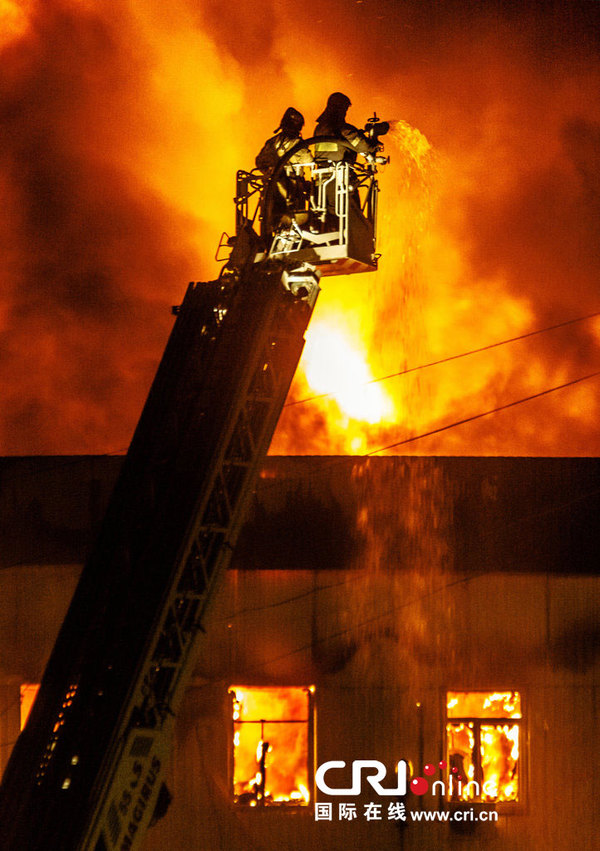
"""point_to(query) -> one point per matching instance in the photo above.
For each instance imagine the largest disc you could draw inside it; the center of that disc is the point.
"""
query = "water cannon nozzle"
(374, 128)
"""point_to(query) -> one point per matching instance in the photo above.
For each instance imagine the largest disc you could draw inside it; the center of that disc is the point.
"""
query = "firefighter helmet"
(338, 102)
(292, 122)
(336, 109)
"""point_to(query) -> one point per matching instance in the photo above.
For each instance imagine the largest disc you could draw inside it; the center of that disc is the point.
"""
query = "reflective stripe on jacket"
(337, 151)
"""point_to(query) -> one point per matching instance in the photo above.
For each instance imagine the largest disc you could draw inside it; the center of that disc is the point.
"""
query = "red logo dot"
(429, 769)
(419, 785)
(442, 764)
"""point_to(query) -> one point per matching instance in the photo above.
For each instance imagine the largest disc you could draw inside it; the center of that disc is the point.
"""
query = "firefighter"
(352, 141)
(286, 136)
(332, 122)
(288, 199)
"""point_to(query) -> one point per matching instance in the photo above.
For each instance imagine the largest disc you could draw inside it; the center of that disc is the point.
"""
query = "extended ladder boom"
(87, 772)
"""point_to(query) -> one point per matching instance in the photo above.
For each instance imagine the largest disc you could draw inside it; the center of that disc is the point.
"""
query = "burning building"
(436, 616)
(433, 617)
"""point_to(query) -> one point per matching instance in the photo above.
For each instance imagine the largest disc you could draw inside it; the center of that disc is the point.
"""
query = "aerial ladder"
(88, 771)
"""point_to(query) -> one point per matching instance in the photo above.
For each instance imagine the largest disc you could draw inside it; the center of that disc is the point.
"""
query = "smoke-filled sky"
(124, 121)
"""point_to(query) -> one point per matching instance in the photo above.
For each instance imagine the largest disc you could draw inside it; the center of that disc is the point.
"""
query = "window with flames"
(483, 734)
(272, 746)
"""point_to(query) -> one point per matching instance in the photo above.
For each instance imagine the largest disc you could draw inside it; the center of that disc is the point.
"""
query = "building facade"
(434, 617)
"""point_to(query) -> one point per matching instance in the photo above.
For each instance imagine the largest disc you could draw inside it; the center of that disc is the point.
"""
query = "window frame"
(518, 806)
(284, 806)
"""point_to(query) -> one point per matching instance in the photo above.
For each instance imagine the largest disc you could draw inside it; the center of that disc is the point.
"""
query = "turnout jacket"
(275, 148)
(336, 152)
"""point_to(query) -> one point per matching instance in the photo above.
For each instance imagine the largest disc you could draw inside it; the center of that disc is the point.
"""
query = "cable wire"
(490, 537)
(483, 414)
(452, 357)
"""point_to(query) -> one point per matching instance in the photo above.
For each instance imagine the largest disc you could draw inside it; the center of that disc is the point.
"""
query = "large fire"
(123, 127)
(271, 746)
(483, 752)
(336, 368)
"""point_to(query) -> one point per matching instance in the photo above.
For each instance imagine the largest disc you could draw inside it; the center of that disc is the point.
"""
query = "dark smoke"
(92, 258)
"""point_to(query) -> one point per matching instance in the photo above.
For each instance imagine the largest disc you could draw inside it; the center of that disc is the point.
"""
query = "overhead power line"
(396, 607)
(75, 459)
(453, 357)
(380, 615)
(484, 413)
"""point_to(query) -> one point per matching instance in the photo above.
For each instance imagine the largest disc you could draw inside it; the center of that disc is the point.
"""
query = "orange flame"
(14, 20)
(332, 361)
(487, 222)
(484, 756)
(270, 742)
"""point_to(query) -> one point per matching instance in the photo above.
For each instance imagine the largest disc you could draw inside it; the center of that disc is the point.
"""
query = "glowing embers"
(272, 734)
(27, 696)
(483, 733)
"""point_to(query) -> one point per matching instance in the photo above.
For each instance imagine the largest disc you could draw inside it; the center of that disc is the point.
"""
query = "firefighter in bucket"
(344, 143)
(289, 186)
(314, 201)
